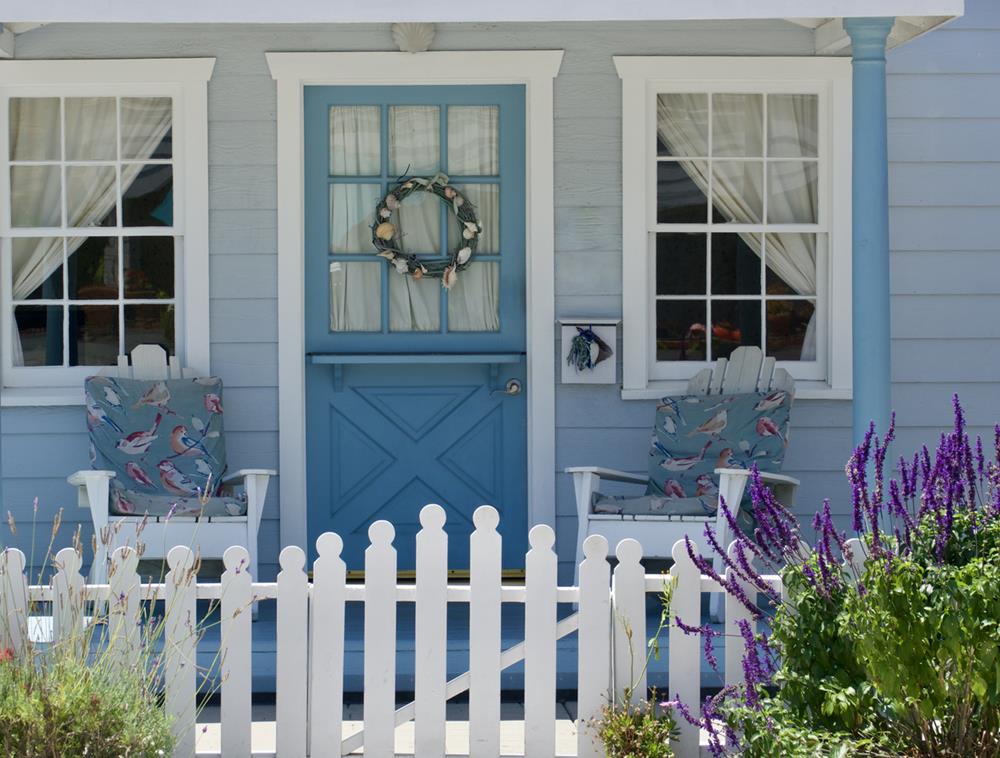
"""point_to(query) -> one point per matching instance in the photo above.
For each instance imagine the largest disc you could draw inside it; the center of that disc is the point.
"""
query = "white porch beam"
(387, 11)
(831, 38)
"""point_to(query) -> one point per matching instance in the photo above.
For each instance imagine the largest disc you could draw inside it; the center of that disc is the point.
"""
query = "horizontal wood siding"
(944, 106)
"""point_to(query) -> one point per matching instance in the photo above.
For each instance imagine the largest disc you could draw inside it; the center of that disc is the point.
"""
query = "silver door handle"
(512, 387)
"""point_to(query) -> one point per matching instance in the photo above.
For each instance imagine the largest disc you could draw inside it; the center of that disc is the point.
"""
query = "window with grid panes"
(91, 261)
(738, 232)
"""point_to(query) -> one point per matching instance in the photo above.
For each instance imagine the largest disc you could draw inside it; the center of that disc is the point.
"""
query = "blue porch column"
(870, 233)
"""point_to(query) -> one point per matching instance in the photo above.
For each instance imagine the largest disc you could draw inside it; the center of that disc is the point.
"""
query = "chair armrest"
(609, 474)
(80, 478)
(765, 476)
(243, 473)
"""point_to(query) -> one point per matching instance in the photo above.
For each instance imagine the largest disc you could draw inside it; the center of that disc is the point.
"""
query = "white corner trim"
(642, 77)
(533, 68)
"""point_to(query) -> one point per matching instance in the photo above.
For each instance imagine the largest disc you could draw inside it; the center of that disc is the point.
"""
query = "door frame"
(535, 69)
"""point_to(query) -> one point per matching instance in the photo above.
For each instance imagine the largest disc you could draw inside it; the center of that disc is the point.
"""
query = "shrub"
(893, 652)
(64, 707)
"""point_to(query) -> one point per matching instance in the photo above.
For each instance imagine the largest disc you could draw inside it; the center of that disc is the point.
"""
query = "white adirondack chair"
(746, 370)
(209, 535)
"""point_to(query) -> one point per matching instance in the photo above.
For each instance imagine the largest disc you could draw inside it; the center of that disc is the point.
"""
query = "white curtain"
(738, 186)
(414, 148)
(91, 191)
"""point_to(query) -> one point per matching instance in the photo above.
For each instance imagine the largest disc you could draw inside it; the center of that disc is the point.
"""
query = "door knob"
(513, 387)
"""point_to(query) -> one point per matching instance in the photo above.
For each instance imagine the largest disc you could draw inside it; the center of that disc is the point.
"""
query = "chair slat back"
(746, 370)
(148, 362)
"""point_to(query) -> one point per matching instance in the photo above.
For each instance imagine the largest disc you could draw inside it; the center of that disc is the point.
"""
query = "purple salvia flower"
(734, 589)
(980, 458)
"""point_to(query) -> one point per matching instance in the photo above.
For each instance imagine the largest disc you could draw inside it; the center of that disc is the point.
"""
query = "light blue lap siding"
(944, 107)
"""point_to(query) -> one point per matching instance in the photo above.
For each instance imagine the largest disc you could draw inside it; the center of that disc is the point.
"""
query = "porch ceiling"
(913, 17)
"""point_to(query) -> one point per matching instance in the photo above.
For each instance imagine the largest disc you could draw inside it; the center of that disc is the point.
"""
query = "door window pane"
(92, 264)
(91, 129)
(37, 271)
(91, 195)
(473, 140)
(792, 126)
(35, 196)
(792, 192)
(352, 208)
(149, 267)
(34, 129)
(738, 125)
(418, 223)
(682, 125)
(680, 330)
(355, 297)
(734, 323)
(735, 264)
(414, 304)
(485, 198)
(790, 330)
(680, 264)
(40, 332)
(355, 142)
(146, 127)
(474, 300)
(149, 324)
(679, 198)
(414, 139)
(93, 335)
(148, 199)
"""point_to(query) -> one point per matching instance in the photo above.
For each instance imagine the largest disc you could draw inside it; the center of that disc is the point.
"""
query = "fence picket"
(13, 601)
(484, 634)
(540, 643)
(736, 612)
(123, 607)
(380, 641)
(684, 657)
(593, 642)
(68, 598)
(629, 635)
(326, 699)
(431, 634)
(292, 642)
(235, 655)
(180, 644)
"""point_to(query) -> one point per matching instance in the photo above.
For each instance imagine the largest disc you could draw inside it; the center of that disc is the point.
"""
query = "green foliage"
(642, 730)
(820, 677)
(64, 707)
(929, 637)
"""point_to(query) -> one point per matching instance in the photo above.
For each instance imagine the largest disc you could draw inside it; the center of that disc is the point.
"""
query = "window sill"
(804, 390)
(14, 397)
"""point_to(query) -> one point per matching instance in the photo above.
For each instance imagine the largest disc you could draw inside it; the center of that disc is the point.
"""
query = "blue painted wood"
(870, 233)
(399, 420)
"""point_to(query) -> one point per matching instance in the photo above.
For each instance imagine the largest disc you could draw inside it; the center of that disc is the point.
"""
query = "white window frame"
(643, 77)
(185, 80)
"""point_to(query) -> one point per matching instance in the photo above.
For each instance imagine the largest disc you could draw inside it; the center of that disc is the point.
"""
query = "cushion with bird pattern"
(696, 434)
(164, 440)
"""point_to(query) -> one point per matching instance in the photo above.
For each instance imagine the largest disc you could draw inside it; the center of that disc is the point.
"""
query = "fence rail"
(310, 636)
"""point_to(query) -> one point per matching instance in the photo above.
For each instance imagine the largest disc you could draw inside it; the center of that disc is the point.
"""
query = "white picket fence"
(310, 636)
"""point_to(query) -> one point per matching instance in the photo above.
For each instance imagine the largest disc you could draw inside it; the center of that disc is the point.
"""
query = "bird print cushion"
(164, 440)
(696, 434)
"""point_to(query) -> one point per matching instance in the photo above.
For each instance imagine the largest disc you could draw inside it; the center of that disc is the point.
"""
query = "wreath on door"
(386, 237)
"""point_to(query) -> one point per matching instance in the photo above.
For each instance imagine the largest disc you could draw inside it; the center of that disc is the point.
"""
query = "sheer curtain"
(738, 190)
(90, 194)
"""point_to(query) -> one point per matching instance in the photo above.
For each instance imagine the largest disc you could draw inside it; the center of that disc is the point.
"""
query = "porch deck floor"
(512, 679)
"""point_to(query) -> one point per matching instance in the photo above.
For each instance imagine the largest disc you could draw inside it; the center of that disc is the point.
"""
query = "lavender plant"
(894, 651)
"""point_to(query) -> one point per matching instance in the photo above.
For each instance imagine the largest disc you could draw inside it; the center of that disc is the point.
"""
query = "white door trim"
(533, 68)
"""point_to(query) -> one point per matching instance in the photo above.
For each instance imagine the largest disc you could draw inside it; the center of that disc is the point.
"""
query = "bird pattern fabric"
(164, 440)
(696, 434)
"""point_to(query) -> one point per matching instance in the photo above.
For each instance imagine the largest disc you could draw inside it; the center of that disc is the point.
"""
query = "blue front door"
(411, 388)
